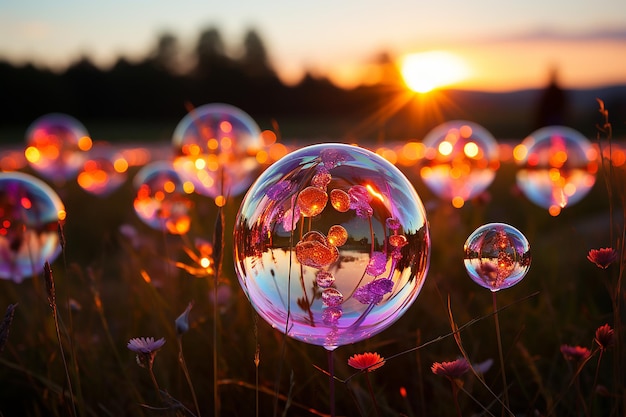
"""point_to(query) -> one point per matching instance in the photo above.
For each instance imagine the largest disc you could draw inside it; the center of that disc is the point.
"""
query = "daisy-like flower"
(602, 257)
(451, 370)
(146, 349)
(605, 336)
(366, 361)
(575, 353)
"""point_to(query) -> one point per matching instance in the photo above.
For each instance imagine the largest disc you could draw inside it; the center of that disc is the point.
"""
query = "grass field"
(112, 286)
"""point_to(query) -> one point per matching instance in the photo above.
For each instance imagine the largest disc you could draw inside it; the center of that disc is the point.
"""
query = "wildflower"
(602, 257)
(146, 349)
(182, 322)
(605, 336)
(575, 353)
(451, 370)
(366, 361)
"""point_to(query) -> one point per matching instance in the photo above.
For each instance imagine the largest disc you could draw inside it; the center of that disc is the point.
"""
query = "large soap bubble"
(56, 145)
(215, 148)
(558, 167)
(460, 161)
(30, 212)
(331, 244)
(161, 201)
(497, 256)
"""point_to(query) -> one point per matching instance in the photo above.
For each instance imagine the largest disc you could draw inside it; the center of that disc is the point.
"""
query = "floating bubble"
(215, 148)
(558, 167)
(161, 201)
(56, 145)
(30, 212)
(497, 256)
(460, 161)
(103, 172)
(331, 274)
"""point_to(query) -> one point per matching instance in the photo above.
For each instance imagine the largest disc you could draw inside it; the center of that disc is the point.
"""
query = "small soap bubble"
(497, 256)
(56, 146)
(215, 148)
(558, 167)
(160, 200)
(460, 161)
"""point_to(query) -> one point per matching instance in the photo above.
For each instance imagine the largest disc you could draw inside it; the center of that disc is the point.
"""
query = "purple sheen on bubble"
(282, 265)
(30, 212)
(392, 223)
(497, 256)
(377, 264)
(324, 279)
(331, 315)
(279, 190)
(331, 297)
(373, 292)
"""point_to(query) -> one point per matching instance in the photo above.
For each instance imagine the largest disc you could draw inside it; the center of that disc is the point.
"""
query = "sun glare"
(426, 71)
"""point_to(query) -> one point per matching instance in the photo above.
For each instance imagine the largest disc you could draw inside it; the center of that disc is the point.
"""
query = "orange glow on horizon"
(426, 71)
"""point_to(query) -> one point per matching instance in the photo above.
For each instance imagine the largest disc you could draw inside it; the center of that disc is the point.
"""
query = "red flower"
(452, 370)
(575, 353)
(602, 257)
(366, 361)
(605, 336)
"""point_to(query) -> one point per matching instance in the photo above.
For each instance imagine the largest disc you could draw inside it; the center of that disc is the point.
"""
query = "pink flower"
(146, 349)
(366, 361)
(602, 257)
(575, 353)
(605, 336)
(451, 370)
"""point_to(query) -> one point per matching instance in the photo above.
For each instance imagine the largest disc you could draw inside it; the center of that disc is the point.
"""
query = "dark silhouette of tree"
(210, 54)
(552, 104)
(167, 54)
(254, 61)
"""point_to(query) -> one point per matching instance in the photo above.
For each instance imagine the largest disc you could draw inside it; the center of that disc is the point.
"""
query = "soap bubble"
(161, 201)
(331, 244)
(56, 145)
(30, 212)
(215, 148)
(497, 256)
(460, 161)
(558, 167)
(103, 172)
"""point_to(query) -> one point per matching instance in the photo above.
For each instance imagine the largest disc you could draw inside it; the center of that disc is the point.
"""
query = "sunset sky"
(503, 45)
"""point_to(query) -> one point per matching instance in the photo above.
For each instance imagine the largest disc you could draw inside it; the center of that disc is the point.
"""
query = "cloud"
(548, 34)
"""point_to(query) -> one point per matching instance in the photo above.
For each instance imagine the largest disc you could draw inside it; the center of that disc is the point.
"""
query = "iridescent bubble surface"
(558, 167)
(104, 171)
(331, 274)
(460, 161)
(215, 148)
(30, 212)
(161, 201)
(56, 145)
(497, 256)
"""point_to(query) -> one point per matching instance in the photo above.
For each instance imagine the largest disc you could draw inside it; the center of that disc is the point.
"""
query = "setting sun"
(426, 71)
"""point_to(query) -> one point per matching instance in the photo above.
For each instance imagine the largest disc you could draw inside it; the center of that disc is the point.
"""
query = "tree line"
(163, 85)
